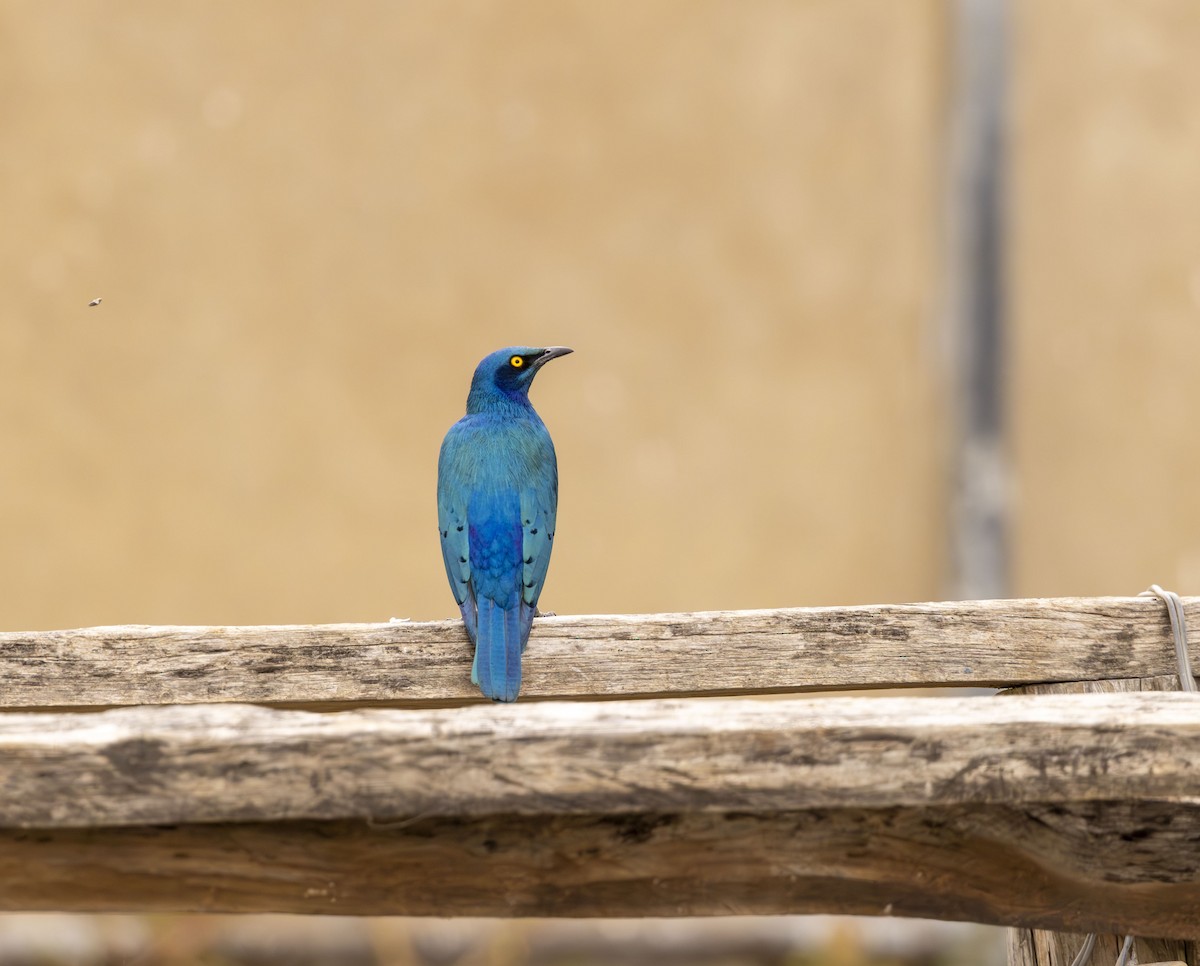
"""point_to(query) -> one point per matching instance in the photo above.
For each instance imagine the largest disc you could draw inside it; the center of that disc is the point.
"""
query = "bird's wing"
(452, 525)
(539, 509)
(456, 550)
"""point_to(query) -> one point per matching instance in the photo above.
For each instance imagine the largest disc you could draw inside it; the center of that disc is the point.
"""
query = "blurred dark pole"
(975, 298)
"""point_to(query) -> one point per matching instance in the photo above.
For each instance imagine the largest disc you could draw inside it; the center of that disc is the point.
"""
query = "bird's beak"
(552, 352)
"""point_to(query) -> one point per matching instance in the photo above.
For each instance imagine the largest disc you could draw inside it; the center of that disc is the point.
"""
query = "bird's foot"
(543, 613)
(399, 620)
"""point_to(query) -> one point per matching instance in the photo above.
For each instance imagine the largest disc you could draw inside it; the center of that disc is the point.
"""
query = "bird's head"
(510, 371)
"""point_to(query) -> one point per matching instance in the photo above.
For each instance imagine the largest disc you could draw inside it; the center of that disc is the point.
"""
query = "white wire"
(1187, 680)
(1085, 952)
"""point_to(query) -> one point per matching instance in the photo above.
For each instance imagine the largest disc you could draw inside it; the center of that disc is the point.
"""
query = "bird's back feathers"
(497, 504)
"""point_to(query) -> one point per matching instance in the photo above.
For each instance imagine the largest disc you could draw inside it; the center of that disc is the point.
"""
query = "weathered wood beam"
(1041, 947)
(975, 643)
(1100, 865)
(238, 763)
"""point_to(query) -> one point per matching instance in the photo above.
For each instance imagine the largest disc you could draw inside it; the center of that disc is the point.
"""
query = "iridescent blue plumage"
(497, 501)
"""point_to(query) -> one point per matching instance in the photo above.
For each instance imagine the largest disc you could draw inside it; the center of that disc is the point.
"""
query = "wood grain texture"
(215, 763)
(1039, 947)
(1034, 865)
(975, 643)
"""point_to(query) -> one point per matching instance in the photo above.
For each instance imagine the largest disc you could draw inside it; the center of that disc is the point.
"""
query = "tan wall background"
(308, 221)
(1106, 297)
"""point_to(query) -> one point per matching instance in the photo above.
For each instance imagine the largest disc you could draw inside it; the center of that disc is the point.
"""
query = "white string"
(1085, 952)
(1187, 680)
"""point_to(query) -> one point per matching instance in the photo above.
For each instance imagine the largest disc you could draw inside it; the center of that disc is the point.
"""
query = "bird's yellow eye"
(516, 362)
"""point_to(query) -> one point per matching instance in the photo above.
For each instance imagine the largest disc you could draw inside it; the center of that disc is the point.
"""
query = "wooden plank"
(1039, 947)
(1034, 865)
(975, 643)
(213, 763)
(1042, 947)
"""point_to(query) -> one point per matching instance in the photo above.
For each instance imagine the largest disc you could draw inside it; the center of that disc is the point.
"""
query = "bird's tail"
(497, 667)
